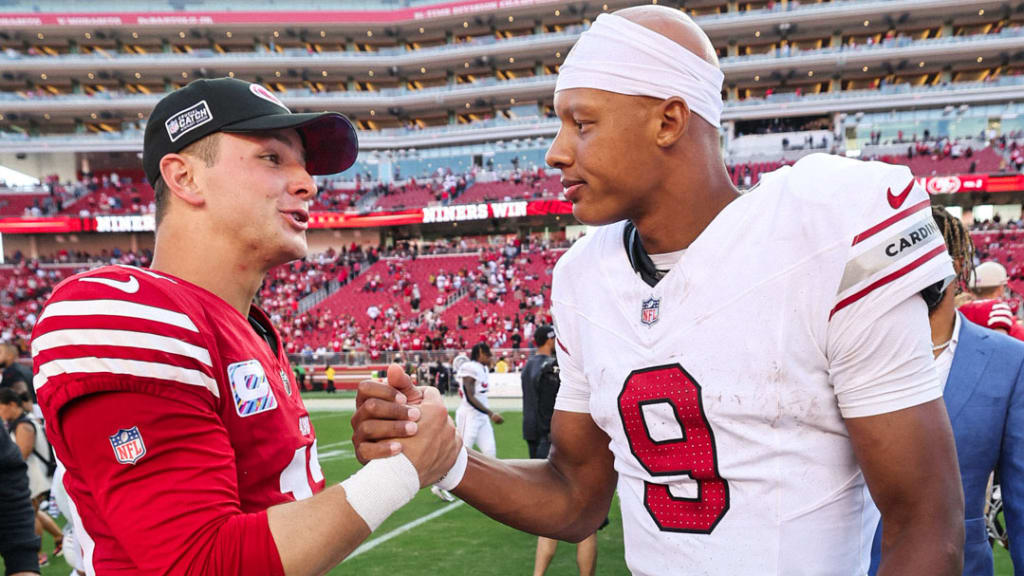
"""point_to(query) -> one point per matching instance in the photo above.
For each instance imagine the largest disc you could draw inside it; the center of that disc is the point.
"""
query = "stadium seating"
(519, 188)
(24, 287)
(1005, 246)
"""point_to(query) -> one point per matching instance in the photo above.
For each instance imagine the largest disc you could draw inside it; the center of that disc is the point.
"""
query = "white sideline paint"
(335, 444)
(335, 455)
(370, 545)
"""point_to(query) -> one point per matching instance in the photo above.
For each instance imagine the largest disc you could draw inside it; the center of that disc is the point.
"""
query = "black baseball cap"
(229, 105)
(543, 334)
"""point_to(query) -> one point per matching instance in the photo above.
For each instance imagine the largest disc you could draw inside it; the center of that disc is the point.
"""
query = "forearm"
(925, 540)
(475, 403)
(315, 534)
(546, 501)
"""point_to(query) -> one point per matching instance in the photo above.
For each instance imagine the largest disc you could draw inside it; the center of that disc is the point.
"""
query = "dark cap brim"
(330, 139)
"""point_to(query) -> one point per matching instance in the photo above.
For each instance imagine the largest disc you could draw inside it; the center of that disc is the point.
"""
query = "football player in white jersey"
(473, 417)
(742, 368)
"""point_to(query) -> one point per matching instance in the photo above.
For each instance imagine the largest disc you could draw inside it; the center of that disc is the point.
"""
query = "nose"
(302, 184)
(558, 155)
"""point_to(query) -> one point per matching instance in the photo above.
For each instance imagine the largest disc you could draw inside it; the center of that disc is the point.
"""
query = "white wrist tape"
(381, 487)
(452, 478)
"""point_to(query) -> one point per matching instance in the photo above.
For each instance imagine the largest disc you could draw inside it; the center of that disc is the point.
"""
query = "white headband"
(620, 56)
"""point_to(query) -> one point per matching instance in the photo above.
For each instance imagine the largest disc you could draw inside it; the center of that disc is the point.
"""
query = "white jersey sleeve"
(574, 391)
(470, 369)
(886, 365)
(877, 324)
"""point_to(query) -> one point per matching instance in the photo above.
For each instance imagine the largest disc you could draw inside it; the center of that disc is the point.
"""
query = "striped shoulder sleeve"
(895, 249)
(118, 329)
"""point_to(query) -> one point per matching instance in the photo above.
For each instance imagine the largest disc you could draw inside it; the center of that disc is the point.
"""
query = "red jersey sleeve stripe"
(887, 279)
(117, 308)
(124, 338)
(926, 203)
(124, 367)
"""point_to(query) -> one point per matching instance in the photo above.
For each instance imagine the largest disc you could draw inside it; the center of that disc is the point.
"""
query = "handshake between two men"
(565, 497)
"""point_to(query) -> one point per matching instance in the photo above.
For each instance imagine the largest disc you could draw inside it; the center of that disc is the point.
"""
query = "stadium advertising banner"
(322, 220)
(212, 18)
(964, 183)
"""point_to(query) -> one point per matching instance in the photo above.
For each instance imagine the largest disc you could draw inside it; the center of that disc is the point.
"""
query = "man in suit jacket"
(983, 374)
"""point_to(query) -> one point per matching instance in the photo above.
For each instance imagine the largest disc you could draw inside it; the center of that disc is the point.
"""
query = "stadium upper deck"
(407, 72)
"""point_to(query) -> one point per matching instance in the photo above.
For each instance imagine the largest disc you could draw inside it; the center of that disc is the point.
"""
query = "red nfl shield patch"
(128, 445)
(649, 311)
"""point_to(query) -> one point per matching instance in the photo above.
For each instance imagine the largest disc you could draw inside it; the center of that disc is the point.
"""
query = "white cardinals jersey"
(724, 388)
(480, 374)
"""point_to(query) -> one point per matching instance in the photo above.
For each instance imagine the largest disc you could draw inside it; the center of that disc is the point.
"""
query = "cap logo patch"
(261, 92)
(187, 120)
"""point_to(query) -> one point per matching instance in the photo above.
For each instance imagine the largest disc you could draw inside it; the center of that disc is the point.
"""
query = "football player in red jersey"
(733, 451)
(167, 393)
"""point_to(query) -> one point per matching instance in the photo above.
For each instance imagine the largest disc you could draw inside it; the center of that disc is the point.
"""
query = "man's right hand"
(435, 445)
(395, 416)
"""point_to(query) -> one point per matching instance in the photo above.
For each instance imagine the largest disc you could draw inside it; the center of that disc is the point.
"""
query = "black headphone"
(638, 258)
(933, 294)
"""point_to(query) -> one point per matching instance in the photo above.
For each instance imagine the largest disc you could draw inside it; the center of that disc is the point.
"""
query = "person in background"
(27, 432)
(19, 544)
(982, 374)
(329, 375)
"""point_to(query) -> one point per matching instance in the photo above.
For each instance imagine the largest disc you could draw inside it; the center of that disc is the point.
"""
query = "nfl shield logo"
(649, 311)
(128, 446)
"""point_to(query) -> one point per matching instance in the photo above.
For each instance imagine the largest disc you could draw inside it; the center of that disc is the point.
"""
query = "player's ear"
(179, 174)
(675, 118)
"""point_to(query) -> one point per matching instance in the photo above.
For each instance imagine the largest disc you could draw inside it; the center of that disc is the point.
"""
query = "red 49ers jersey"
(121, 329)
(724, 388)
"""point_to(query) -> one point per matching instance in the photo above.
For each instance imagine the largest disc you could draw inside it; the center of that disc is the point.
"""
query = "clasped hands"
(393, 416)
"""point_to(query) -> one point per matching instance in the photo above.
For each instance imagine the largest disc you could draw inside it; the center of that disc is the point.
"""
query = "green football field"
(451, 538)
